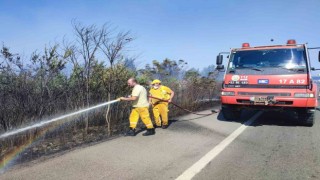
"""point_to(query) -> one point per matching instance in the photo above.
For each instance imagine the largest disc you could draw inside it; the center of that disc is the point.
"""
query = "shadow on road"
(269, 118)
(173, 121)
(191, 119)
(245, 115)
(277, 119)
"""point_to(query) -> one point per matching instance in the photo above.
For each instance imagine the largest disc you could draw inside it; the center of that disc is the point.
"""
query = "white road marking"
(199, 165)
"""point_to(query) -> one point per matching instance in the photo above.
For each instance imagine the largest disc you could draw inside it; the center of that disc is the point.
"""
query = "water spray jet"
(42, 123)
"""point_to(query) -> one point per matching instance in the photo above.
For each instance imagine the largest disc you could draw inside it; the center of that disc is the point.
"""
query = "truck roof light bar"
(245, 45)
(291, 42)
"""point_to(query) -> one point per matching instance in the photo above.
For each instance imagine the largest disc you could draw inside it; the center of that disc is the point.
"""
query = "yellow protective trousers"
(142, 112)
(160, 109)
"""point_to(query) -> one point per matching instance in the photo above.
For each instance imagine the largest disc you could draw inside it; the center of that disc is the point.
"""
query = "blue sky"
(192, 30)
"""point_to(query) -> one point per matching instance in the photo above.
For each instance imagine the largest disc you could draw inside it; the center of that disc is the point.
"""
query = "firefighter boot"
(156, 126)
(149, 132)
(164, 126)
(131, 132)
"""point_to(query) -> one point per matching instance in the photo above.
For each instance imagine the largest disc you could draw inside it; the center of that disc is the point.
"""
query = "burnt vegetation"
(75, 74)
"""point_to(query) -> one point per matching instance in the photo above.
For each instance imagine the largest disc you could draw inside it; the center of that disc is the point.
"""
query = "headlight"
(227, 93)
(304, 95)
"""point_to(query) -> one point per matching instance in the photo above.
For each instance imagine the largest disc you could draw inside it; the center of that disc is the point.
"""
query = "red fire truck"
(276, 78)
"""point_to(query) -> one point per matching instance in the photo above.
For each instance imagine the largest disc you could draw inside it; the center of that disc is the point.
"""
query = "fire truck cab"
(276, 78)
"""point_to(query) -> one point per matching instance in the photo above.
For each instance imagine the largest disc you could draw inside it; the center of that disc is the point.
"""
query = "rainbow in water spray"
(10, 156)
(54, 119)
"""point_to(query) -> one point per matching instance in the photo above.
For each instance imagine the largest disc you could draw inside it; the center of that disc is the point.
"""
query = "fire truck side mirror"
(219, 59)
(319, 56)
(220, 67)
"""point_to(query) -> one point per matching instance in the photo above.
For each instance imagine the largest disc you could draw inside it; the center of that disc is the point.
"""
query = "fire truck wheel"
(306, 118)
(230, 113)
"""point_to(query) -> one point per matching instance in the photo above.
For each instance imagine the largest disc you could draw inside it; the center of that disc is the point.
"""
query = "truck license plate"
(263, 100)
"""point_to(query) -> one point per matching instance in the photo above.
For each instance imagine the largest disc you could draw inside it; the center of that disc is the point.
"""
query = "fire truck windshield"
(271, 61)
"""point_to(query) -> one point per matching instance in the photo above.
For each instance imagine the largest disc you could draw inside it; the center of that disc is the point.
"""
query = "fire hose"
(202, 114)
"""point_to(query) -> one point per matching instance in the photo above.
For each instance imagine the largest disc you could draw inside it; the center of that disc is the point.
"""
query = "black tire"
(230, 113)
(306, 118)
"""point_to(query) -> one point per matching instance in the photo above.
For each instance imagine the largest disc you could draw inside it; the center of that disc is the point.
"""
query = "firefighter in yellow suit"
(160, 108)
(140, 108)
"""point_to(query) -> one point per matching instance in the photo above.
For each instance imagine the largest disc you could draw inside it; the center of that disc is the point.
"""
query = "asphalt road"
(272, 147)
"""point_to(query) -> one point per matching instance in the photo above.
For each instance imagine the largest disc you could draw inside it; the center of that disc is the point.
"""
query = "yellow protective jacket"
(163, 92)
